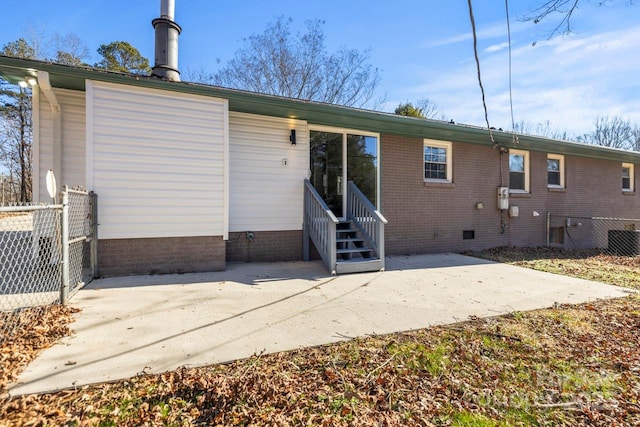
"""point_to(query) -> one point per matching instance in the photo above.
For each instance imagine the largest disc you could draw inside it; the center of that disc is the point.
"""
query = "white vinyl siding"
(72, 106)
(157, 161)
(265, 193)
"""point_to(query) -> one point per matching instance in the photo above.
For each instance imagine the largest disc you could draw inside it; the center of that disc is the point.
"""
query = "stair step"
(353, 251)
(359, 265)
(346, 230)
(347, 240)
(358, 261)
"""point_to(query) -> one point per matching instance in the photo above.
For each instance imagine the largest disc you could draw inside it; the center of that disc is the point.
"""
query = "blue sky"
(424, 49)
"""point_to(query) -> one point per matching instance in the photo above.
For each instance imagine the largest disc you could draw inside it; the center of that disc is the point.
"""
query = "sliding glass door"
(338, 157)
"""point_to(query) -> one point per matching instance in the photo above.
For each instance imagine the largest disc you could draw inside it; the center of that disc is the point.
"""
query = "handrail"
(319, 225)
(366, 218)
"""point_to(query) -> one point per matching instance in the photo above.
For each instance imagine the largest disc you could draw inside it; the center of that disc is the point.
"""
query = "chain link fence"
(47, 253)
(81, 239)
(613, 236)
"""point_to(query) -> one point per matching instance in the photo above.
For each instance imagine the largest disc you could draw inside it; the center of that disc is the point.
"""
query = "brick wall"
(425, 217)
(160, 255)
(265, 246)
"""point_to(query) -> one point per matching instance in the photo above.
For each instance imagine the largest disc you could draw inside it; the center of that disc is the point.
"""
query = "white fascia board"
(35, 149)
(226, 171)
(89, 134)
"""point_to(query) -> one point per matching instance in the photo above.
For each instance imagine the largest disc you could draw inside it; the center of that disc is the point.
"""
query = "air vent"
(468, 234)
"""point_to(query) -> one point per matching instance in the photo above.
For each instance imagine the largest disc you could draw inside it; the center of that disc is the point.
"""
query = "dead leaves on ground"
(572, 365)
(28, 332)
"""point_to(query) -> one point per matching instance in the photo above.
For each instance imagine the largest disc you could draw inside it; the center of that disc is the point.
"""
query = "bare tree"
(198, 74)
(430, 109)
(39, 41)
(614, 132)
(15, 140)
(15, 124)
(299, 66)
(636, 138)
(545, 129)
(70, 50)
(563, 8)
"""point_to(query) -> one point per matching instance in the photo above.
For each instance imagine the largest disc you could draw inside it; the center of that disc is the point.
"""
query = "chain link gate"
(81, 243)
(47, 253)
(612, 236)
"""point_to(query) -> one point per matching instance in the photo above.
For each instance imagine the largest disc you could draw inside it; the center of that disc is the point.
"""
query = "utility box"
(624, 242)
(503, 198)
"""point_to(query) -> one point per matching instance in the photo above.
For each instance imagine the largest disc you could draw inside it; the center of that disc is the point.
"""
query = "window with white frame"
(437, 161)
(627, 177)
(518, 171)
(555, 171)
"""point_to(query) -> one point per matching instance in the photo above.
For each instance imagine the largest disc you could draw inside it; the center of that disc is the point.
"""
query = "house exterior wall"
(158, 162)
(425, 217)
(429, 217)
(72, 105)
(265, 246)
(266, 173)
(160, 255)
(173, 182)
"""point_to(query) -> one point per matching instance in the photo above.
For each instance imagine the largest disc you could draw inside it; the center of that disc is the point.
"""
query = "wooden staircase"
(353, 253)
(352, 246)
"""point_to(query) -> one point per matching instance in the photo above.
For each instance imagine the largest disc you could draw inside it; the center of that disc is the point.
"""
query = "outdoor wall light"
(292, 138)
(28, 81)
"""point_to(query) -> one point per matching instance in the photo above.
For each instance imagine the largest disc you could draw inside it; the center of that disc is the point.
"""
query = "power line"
(475, 52)
(513, 123)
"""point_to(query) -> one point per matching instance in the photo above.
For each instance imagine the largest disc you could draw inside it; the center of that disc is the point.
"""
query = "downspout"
(56, 116)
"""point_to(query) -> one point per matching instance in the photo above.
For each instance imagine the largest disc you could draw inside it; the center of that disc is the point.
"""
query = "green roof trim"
(68, 77)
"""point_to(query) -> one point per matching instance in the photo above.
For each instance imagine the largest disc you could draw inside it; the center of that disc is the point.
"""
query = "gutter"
(56, 113)
(73, 78)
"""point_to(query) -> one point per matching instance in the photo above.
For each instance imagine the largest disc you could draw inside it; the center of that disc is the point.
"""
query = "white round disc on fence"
(52, 188)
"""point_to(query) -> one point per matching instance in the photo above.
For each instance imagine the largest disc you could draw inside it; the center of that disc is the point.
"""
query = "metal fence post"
(94, 234)
(64, 289)
(548, 227)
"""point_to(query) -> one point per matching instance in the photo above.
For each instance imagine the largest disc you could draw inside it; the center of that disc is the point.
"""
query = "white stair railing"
(369, 221)
(319, 225)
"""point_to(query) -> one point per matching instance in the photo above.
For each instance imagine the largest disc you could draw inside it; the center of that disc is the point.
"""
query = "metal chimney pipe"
(166, 46)
(167, 8)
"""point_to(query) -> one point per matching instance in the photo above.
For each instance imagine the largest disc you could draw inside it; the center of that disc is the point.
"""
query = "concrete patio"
(130, 325)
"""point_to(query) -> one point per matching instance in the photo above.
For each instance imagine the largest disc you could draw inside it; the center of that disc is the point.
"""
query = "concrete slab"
(130, 325)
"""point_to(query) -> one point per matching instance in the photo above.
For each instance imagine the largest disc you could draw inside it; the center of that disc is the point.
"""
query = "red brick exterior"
(425, 217)
(265, 246)
(160, 255)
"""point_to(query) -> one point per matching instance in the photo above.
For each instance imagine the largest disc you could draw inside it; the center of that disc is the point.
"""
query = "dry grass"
(570, 365)
(585, 264)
